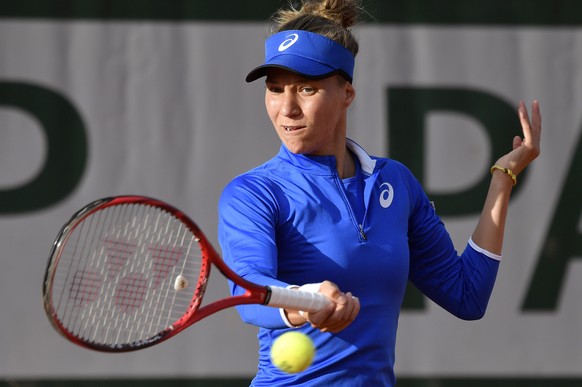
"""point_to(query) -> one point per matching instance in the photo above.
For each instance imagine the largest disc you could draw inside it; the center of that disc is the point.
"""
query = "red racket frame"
(254, 294)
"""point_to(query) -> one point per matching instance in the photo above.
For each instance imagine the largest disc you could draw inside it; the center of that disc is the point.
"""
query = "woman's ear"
(350, 94)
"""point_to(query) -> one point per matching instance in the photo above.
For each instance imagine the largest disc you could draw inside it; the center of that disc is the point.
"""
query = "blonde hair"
(330, 18)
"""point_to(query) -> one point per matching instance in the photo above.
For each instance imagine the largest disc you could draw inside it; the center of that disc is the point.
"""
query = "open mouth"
(291, 128)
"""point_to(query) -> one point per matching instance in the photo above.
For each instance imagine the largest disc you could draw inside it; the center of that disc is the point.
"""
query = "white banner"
(167, 114)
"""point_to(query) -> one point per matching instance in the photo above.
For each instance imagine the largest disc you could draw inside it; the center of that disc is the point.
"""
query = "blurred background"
(104, 97)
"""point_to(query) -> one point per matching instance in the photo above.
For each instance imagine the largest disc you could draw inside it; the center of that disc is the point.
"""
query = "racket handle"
(296, 299)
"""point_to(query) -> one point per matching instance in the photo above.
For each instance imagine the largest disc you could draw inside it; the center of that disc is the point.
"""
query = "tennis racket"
(129, 272)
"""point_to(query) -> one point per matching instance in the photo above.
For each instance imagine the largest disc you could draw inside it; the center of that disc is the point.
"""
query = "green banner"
(511, 12)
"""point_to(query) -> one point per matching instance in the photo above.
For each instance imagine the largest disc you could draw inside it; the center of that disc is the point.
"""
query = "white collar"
(367, 163)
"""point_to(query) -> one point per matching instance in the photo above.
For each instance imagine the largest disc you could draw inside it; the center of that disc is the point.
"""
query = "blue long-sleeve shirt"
(293, 221)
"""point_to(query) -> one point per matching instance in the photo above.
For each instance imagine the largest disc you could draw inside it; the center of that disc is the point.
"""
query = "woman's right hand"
(340, 312)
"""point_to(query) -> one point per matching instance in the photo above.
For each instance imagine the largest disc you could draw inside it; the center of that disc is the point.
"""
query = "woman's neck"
(346, 166)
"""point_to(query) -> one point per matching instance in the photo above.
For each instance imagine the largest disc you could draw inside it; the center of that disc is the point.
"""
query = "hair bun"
(330, 18)
(342, 12)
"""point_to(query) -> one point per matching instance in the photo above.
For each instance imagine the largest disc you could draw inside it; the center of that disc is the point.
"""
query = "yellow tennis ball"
(292, 352)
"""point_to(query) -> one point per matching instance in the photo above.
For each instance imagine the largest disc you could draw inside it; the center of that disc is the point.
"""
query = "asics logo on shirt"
(387, 195)
(288, 42)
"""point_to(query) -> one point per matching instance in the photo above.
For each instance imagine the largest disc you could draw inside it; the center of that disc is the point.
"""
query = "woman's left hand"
(525, 149)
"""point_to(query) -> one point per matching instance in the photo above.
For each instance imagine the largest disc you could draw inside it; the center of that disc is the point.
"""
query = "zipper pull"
(362, 233)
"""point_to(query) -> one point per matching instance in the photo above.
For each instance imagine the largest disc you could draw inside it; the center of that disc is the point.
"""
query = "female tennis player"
(324, 215)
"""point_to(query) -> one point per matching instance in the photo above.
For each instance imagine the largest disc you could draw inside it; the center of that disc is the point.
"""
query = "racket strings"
(80, 272)
(114, 284)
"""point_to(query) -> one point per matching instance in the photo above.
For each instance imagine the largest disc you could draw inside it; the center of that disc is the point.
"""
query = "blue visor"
(308, 54)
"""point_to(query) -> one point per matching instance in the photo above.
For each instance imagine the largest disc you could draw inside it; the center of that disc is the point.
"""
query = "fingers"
(531, 127)
(524, 118)
(339, 313)
(536, 115)
(517, 141)
(346, 310)
(345, 313)
(533, 136)
(526, 149)
(536, 126)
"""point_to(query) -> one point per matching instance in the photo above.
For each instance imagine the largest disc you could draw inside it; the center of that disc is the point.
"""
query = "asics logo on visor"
(288, 42)
(387, 195)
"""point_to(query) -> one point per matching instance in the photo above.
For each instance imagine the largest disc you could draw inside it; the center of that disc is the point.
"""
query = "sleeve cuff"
(483, 251)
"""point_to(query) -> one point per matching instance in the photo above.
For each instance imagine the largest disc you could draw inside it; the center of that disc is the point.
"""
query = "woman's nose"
(290, 107)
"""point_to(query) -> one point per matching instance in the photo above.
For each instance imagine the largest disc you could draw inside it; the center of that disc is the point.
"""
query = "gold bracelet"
(507, 171)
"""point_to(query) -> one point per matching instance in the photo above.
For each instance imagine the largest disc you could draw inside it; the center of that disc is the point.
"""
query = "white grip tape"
(296, 299)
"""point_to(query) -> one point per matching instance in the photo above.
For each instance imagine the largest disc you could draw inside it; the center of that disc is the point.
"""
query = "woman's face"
(308, 115)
